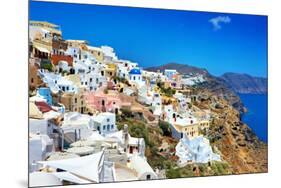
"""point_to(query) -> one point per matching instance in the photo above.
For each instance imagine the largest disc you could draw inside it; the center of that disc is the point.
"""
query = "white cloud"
(216, 22)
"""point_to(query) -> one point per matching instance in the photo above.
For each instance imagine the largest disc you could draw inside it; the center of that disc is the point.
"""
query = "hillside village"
(94, 117)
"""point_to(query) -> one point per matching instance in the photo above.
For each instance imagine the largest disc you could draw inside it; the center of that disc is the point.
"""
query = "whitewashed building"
(40, 147)
(136, 77)
(143, 169)
(170, 73)
(58, 83)
(109, 54)
(105, 123)
(195, 150)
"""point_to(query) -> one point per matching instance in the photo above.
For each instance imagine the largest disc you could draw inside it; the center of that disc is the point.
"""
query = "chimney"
(126, 137)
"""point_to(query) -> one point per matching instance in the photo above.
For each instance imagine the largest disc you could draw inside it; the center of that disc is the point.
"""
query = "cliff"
(245, 84)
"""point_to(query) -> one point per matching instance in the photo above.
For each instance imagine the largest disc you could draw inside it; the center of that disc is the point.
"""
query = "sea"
(257, 116)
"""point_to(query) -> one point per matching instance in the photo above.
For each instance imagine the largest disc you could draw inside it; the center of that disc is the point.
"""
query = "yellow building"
(52, 28)
(191, 130)
(169, 100)
(75, 78)
(42, 35)
(204, 124)
(110, 70)
(82, 44)
(74, 102)
(97, 53)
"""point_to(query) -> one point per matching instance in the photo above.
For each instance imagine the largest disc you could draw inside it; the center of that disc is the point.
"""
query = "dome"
(135, 71)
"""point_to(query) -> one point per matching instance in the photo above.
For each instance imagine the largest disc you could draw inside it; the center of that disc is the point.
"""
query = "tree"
(46, 64)
(165, 127)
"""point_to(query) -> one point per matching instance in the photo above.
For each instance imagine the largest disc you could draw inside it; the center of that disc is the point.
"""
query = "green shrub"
(169, 92)
(165, 127)
(46, 65)
(173, 173)
(127, 113)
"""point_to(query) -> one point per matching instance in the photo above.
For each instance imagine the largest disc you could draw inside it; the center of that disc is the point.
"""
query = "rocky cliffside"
(244, 83)
(239, 146)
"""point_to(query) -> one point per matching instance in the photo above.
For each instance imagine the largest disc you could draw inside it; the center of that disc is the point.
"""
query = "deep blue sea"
(256, 117)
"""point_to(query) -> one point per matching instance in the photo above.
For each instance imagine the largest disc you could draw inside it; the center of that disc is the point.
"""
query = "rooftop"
(135, 71)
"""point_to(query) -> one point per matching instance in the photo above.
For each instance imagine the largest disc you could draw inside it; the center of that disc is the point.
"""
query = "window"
(75, 100)
(108, 127)
(103, 127)
(98, 128)
(107, 119)
(32, 80)
(148, 177)
(112, 126)
(91, 79)
(134, 78)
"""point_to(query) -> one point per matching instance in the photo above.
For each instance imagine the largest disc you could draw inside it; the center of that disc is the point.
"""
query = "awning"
(87, 167)
(42, 49)
(70, 177)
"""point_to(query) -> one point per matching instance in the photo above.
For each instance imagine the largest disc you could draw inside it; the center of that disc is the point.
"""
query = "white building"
(136, 77)
(93, 80)
(42, 126)
(196, 150)
(122, 71)
(131, 145)
(109, 54)
(77, 126)
(192, 80)
(182, 102)
(170, 73)
(157, 104)
(105, 123)
(62, 66)
(74, 52)
(145, 95)
(143, 169)
(57, 83)
(40, 147)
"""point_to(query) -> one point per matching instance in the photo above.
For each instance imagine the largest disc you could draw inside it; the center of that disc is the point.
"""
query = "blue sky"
(215, 41)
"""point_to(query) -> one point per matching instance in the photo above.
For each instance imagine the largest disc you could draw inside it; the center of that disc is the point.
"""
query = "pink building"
(102, 102)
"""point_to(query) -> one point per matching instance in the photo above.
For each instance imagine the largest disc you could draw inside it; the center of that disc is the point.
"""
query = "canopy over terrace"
(87, 168)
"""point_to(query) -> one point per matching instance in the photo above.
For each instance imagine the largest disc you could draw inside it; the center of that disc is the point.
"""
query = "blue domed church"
(135, 76)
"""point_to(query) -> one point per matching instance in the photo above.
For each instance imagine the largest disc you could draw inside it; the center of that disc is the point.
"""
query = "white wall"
(40, 126)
